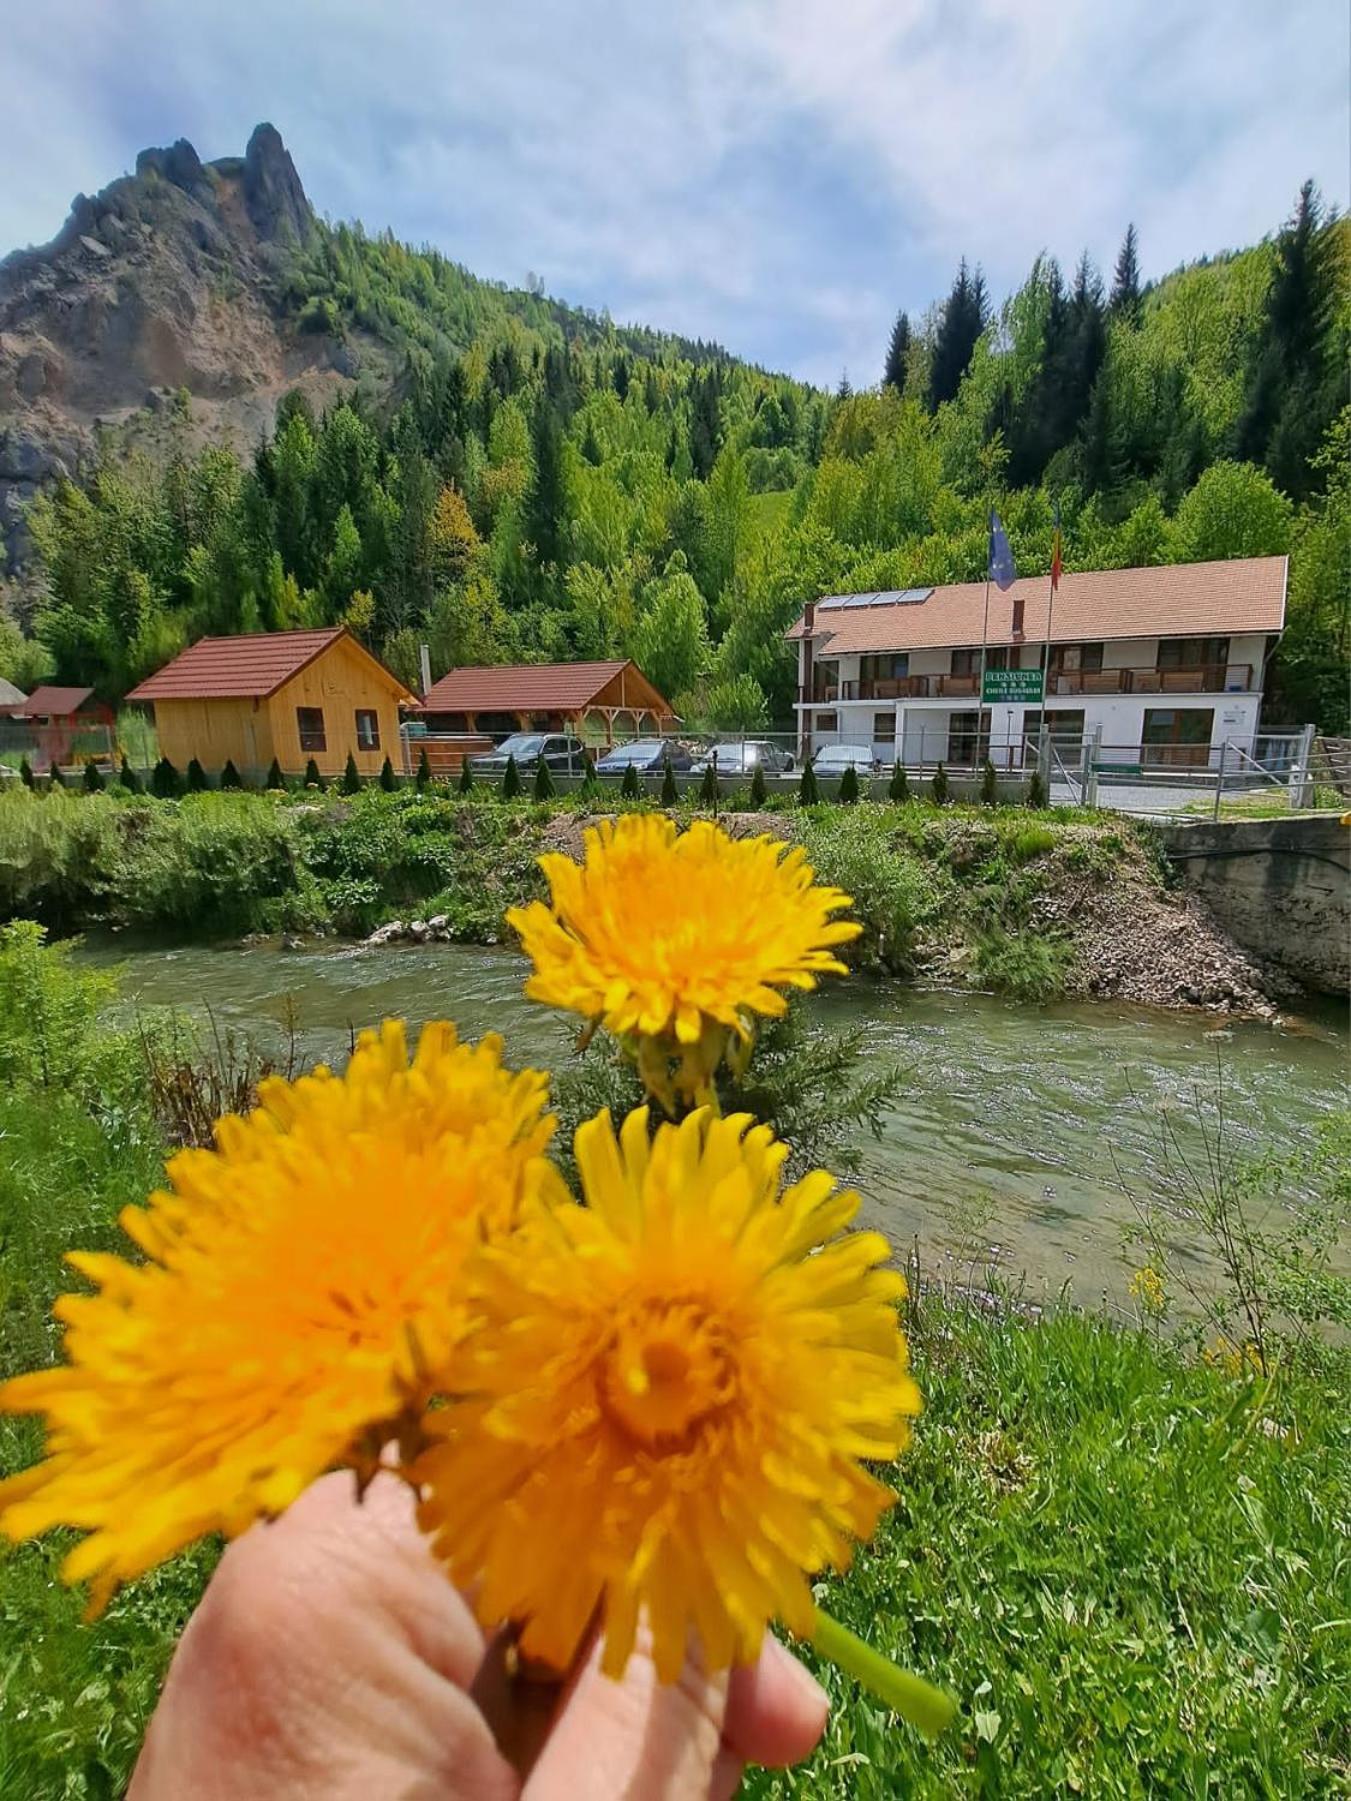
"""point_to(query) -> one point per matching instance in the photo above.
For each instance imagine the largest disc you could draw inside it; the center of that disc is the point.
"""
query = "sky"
(778, 175)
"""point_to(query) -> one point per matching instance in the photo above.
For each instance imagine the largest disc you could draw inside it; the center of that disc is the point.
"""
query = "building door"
(968, 738)
(1177, 737)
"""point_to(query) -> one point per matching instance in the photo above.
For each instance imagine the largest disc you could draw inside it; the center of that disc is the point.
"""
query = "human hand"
(331, 1657)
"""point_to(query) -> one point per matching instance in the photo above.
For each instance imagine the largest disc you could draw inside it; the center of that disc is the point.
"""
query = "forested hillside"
(540, 484)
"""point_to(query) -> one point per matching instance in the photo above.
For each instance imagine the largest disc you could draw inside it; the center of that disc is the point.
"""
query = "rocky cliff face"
(168, 279)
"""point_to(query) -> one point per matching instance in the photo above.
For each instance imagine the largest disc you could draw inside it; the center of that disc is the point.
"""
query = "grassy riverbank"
(1126, 1560)
(1033, 904)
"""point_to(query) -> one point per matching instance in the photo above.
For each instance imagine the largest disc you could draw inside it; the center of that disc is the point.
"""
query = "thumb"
(676, 1741)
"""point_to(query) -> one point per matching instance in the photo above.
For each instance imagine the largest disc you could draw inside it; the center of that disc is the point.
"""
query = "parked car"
(834, 759)
(744, 755)
(646, 755)
(531, 748)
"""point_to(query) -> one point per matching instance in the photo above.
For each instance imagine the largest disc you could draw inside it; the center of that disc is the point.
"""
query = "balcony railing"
(1209, 678)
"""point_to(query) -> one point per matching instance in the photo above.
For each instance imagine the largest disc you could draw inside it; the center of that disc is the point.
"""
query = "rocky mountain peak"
(272, 189)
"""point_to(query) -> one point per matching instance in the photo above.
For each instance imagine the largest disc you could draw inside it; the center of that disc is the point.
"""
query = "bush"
(630, 788)
(26, 772)
(1028, 965)
(423, 779)
(1031, 841)
(989, 785)
(275, 778)
(197, 782)
(511, 780)
(351, 777)
(544, 782)
(670, 793)
(230, 776)
(708, 788)
(466, 781)
(1036, 791)
(939, 787)
(759, 789)
(56, 854)
(167, 875)
(590, 780)
(848, 793)
(808, 793)
(129, 778)
(388, 780)
(897, 890)
(313, 779)
(898, 788)
(93, 778)
(165, 780)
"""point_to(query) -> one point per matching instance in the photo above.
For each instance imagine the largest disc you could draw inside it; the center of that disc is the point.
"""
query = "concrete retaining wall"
(1280, 887)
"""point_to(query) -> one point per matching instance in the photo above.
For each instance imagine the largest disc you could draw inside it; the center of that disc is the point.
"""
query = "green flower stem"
(927, 1708)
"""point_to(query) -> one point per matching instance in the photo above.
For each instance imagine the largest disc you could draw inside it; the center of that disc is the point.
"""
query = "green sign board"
(1022, 686)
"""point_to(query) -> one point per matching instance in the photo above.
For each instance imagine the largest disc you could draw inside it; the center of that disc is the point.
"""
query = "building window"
(888, 666)
(827, 722)
(884, 728)
(1070, 657)
(1193, 653)
(1177, 737)
(311, 723)
(368, 729)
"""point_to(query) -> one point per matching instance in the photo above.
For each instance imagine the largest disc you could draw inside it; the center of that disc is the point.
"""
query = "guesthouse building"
(1165, 666)
(289, 695)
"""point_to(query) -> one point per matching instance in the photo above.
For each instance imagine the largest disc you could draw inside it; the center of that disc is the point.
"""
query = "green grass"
(1129, 1568)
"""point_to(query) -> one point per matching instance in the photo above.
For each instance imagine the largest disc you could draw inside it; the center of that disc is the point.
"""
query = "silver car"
(744, 755)
(834, 759)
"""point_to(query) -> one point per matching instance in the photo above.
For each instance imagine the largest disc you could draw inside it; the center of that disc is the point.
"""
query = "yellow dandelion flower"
(668, 1392)
(297, 1280)
(680, 937)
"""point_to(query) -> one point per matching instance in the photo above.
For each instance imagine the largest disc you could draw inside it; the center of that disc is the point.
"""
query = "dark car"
(742, 756)
(531, 748)
(646, 755)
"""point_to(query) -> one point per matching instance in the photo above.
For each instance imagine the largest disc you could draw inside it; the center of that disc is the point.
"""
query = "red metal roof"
(1245, 594)
(541, 688)
(253, 664)
(52, 703)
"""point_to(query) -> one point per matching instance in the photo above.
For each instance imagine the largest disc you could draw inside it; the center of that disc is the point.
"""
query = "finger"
(329, 1657)
(776, 1709)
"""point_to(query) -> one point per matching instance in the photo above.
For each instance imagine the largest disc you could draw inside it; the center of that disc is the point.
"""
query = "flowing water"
(1017, 1128)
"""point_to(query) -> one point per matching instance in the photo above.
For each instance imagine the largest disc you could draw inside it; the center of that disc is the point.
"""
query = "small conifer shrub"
(670, 793)
(511, 780)
(424, 772)
(275, 778)
(544, 781)
(388, 780)
(313, 779)
(351, 777)
(631, 788)
(848, 795)
(230, 776)
(989, 785)
(899, 787)
(940, 787)
(129, 778)
(708, 788)
(26, 772)
(93, 778)
(466, 781)
(759, 790)
(165, 780)
(808, 793)
(197, 782)
(1036, 790)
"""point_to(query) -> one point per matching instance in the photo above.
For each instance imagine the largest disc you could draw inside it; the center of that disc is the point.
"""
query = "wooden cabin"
(589, 699)
(289, 695)
(66, 726)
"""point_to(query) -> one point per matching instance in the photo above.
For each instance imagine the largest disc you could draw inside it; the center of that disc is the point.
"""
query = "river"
(1009, 1145)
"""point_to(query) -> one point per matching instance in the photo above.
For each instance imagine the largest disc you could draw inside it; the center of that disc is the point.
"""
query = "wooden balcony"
(1211, 678)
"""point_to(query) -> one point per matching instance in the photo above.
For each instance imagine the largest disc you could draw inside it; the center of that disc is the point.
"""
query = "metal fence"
(59, 745)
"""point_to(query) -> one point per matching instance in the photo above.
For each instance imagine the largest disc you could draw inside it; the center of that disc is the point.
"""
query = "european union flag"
(1002, 572)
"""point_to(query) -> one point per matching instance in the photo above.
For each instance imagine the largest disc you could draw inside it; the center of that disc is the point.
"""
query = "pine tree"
(705, 420)
(965, 314)
(590, 780)
(313, 779)
(939, 788)
(670, 793)
(351, 777)
(466, 781)
(899, 788)
(26, 772)
(989, 785)
(808, 793)
(129, 778)
(547, 503)
(165, 780)
(708, 789)
(1125, 297)
(197, 782)
(848, 790)
(545, 788)
(898, 354)
(388, 780)
(1036, 790)
(424, 772)
(630, 788)
(93, 778)
(230, 776)
(759, 789)
(55, 779)
(511, 780)
(845, 391)
(275, 778)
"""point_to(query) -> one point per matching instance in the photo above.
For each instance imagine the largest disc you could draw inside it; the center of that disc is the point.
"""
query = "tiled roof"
(55, 703)
(253, 664)
(10, 696)
(537, 688)
(1246, 594)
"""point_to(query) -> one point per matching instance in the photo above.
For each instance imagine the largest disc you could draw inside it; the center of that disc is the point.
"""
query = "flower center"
(666, 1368)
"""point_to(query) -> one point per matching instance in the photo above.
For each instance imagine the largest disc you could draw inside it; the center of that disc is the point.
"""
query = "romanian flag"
(1056, 550)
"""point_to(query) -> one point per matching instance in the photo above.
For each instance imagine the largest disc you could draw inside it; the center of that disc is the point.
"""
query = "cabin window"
(310, 720)
(827, 722)
(368, 728)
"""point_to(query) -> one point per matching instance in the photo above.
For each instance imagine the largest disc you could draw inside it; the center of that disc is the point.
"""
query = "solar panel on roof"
(883, 597)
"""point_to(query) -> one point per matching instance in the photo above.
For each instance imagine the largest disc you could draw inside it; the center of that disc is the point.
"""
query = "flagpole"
(984, 635)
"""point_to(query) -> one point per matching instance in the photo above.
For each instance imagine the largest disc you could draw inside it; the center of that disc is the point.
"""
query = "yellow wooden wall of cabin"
(216, 732)
(339, 682)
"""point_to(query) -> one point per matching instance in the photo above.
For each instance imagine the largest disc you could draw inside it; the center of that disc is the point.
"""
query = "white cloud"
(780, 174)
